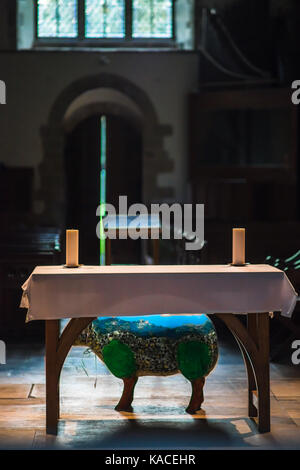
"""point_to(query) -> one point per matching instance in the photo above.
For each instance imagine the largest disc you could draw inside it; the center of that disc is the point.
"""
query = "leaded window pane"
(57, 18)
(105, 18)
(152, 19)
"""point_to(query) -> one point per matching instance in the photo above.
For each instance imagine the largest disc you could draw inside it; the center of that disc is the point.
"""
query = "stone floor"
(89, 393)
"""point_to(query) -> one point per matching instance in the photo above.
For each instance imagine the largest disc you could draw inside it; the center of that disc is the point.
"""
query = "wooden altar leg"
(57, 348)
(52, 378)
(263, 372)
(252, 329)
(252, 410)
(254, 344)
(197, 397)
(127, 395)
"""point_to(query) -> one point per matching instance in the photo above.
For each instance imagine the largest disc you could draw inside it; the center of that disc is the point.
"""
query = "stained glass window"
(152, 19)
(102, 19)
(57, 18)
(105, 18)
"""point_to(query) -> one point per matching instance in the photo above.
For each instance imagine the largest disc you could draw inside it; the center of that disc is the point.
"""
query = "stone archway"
(155, 159)
(103, 108)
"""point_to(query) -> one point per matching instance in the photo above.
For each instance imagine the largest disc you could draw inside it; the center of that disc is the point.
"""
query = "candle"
(238, 246)
(72, 248)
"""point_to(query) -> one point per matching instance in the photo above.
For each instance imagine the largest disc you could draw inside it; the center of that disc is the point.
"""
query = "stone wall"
(32, 132)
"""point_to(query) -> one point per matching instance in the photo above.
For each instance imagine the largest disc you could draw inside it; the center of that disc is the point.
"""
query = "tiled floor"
(89, 394)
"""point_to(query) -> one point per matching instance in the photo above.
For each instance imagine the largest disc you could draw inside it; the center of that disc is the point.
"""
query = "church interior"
(167, 102)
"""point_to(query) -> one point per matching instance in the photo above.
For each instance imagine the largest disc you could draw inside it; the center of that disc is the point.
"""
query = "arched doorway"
(103, 159)
(76, 102)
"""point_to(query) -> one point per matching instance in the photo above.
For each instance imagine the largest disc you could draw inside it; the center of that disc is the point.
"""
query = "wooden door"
(123, 151)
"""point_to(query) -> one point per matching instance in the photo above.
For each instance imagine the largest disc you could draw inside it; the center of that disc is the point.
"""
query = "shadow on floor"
(133, 434)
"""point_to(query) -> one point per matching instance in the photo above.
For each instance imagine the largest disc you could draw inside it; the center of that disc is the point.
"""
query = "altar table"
(82, 294)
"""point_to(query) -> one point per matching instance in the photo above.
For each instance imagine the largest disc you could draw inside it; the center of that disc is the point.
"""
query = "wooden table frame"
(252, 339)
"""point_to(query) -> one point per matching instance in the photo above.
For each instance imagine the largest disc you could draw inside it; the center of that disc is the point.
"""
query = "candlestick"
(72, 248)
(238, 246)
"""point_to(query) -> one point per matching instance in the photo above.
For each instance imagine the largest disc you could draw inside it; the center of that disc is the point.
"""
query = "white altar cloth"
(53, 292)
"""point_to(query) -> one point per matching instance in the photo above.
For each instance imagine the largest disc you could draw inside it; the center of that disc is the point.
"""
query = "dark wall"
(8, 15)
(265, 31)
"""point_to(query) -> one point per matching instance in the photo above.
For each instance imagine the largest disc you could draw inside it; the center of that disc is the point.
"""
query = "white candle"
(238, 246)
(72, 248)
